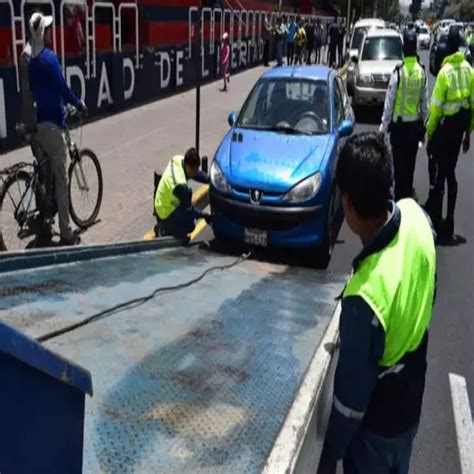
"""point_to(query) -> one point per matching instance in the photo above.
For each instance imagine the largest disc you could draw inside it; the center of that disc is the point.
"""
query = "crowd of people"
(303, 41)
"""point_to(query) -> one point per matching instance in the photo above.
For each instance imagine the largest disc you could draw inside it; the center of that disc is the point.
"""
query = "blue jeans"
(373, 454)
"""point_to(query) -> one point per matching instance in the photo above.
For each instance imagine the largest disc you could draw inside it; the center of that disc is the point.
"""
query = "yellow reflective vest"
(165, 200)
(410, 89)
(453, 91)
(398, 283)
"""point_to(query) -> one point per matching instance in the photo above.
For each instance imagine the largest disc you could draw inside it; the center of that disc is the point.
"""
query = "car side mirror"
(355, 59)
(345, 128)
(232, 119)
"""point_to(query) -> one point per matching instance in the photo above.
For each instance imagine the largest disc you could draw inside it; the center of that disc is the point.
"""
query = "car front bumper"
(285, 226)
(369, 95)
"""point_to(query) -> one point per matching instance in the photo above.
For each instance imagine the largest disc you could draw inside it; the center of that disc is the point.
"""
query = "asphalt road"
(452, 329)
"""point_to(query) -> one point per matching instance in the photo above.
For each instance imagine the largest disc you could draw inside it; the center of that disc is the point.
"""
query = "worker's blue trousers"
(370, 453)
(180, 223)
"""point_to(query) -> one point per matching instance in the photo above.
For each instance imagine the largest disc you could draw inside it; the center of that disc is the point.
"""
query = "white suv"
(379, 54)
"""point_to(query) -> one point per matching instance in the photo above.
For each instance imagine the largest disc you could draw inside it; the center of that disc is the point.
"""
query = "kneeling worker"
(173, 198)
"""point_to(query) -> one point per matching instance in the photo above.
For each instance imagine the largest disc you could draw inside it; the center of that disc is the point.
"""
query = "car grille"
(258, 219)
(381, 81)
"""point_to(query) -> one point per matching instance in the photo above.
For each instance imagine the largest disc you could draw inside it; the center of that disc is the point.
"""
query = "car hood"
(270, 161)
(378, 67)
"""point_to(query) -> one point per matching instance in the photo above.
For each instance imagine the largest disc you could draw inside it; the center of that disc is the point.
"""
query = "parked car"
(360, 29)
(423, 37)
(381, 51)
(273, 176)
(438, 51)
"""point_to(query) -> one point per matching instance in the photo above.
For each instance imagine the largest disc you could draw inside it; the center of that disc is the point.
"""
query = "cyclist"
(51, 93)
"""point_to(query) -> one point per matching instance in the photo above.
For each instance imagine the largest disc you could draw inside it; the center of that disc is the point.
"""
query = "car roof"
(301, 72)
(381, 33)
(369, 22)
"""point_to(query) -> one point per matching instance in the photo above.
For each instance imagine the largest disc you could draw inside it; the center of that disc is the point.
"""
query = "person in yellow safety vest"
(404, 115)
(451, 119)
(173, 197)
(300, 42)
(386, 312)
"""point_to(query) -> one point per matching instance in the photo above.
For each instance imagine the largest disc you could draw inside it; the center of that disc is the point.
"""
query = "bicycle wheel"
(85, 189)
(17, 206)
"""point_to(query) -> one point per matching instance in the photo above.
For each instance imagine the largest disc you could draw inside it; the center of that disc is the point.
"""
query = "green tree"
(452, 11)
(466, 10)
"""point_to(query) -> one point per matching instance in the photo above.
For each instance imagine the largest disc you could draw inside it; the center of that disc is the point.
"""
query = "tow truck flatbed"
(204, 378)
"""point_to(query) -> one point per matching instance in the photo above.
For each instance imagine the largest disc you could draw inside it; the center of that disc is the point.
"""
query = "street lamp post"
(199, 59)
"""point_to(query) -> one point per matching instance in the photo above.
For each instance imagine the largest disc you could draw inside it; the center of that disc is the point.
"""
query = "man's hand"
(466, 143)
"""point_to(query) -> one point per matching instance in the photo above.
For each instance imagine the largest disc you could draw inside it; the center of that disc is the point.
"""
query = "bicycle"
(23, 194)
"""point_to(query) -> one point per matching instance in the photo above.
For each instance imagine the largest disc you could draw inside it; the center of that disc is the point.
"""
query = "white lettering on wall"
(104, 88)
(232, 55)
(243, 54)
(76, 71)
(179, 68)
(205, 72)
(128, 93)
(165, 80)
(3, 112)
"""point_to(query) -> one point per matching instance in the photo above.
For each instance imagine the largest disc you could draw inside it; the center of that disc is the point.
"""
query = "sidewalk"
(132, 144)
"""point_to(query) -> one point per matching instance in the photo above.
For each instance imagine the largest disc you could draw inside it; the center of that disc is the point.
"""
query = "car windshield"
(423, 31)
(287, 105)
(358, 36)
(380, 48)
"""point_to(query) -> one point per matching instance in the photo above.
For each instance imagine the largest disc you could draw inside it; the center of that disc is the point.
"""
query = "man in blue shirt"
(51, 93)
(290, 39)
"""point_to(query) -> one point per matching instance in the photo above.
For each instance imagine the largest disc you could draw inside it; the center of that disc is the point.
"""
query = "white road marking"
(463, 422)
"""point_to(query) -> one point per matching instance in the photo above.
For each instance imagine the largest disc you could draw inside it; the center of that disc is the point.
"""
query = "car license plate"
(256, 237)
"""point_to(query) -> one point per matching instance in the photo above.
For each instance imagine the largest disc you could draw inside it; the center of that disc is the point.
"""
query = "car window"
(338, 104)
(289, 105)
(358, 36)
(342, 88)
(382, 48)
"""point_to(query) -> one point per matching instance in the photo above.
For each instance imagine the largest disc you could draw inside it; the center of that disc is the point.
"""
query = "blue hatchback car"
(273, 176)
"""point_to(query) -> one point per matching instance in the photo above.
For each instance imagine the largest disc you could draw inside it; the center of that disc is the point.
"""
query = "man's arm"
(66, 93)
(436, 105)
(424, 101)
(389, 103)
(202, 177)
(362, 345)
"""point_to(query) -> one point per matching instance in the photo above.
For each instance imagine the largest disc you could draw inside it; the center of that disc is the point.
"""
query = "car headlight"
(365, 79)
(304, 190)
(218, 179)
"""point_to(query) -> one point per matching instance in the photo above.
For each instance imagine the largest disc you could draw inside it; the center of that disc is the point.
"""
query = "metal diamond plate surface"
(195, 380)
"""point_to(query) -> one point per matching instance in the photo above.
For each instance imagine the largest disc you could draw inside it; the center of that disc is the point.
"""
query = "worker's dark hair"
(454, 40)
(191, 158)
(364, 173)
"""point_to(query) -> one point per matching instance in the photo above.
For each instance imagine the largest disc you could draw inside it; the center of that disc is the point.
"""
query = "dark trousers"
(404, 140)
(309, 52)
(369, 453)
(291, 53)
(340, 53)
(179, 224)
(446, 147)
(332, 55)
(317, 55)
(266, 52)
(299, 55)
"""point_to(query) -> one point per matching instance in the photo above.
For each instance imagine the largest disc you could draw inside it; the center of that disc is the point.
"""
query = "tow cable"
(135, 302)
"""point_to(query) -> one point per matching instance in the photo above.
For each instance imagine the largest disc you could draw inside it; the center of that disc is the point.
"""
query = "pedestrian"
(340, 42)
(300, 42)
(174, 211)
(333, 36)
(280, 33)
(451, 120)
(267, 34)
(386, 312)
(404, 115)
(318, 41)
(225, 60)
(309, 30)
(290, 38)
(51, 93)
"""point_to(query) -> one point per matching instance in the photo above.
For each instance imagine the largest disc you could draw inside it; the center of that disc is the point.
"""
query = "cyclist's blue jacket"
(49, 88)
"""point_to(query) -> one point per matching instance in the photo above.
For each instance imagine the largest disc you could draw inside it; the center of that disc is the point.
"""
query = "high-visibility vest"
(411, 85)
(165, 200)
(300, 38)
(453, 91)
(398, 283)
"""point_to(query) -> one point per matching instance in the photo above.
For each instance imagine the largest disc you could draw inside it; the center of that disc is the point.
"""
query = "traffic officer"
(173, 197)
(386, 312)
(451, 118)
(405, 112)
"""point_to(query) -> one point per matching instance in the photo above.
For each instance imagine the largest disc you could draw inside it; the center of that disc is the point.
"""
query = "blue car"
(273, 176)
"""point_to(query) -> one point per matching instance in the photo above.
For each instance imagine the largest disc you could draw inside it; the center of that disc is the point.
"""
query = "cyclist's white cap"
(38, 24)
